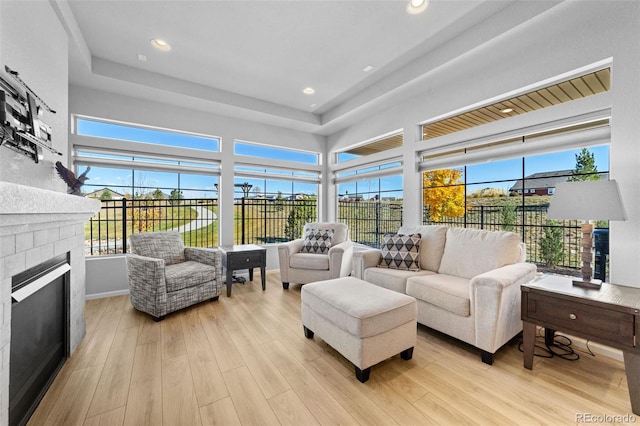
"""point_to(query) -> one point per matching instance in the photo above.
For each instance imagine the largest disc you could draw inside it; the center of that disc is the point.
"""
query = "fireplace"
(36, 226)
(39, 343)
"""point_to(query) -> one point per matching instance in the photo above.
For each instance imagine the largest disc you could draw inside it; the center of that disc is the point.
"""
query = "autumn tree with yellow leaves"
(443, 192)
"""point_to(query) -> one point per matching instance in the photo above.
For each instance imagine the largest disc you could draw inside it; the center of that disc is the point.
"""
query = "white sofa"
(468, 285)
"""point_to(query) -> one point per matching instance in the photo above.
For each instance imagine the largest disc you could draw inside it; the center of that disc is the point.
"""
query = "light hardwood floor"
(245, 361)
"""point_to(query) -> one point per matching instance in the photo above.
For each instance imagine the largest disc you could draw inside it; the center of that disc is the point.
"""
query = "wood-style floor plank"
(244, 360)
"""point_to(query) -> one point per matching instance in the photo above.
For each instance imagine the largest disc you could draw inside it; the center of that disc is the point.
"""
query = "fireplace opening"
(39, 343)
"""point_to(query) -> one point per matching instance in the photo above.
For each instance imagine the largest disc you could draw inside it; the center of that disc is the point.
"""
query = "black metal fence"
(260, 221)
(256, 221)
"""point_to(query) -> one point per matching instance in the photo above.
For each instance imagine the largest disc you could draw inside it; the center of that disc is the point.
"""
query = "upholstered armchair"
(324, 252)
(165, 276)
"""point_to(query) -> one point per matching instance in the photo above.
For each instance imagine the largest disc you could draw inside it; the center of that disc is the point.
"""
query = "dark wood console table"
(610, 315)
(246, 256)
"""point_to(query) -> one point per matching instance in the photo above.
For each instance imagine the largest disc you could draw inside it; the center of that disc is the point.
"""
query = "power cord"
(561, 347)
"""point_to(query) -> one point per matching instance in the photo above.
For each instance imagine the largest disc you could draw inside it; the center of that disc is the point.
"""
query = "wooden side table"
(246, 256)
(610, 315)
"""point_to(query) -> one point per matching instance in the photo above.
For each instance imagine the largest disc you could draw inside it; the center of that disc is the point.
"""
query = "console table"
(610, 315)
(246, 256)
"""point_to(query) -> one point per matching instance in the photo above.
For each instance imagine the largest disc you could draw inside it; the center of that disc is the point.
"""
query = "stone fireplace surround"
(36, 225)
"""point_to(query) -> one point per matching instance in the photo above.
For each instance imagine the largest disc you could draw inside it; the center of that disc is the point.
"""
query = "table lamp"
(587, 201)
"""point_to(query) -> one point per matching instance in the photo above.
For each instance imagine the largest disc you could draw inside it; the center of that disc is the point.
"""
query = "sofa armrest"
(340, 259)
(147, 286)
(364, 259)
(495, 303)
(208, 256)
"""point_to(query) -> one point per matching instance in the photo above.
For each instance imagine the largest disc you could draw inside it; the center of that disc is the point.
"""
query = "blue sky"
(196, 185)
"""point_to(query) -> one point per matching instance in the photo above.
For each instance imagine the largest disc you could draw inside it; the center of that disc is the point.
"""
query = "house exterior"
(543, 183)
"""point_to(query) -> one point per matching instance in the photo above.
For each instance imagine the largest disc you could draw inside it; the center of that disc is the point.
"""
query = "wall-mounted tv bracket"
(21, 127)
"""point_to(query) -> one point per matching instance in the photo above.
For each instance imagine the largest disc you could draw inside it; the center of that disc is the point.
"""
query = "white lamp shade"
(587, 200)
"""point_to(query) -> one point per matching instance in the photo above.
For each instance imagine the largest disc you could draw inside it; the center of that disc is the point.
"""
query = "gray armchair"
(165, 276)
(302, 266)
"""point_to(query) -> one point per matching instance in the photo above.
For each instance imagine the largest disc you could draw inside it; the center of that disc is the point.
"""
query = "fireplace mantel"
(23, 207)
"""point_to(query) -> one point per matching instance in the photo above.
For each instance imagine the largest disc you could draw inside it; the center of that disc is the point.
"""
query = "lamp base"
(593, 284)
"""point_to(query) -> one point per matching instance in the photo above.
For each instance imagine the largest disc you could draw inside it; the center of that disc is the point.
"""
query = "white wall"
(569, 36)
(33, 42)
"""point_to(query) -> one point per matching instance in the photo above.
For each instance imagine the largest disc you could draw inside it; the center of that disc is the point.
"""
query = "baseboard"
(597, 348)
(107, 294)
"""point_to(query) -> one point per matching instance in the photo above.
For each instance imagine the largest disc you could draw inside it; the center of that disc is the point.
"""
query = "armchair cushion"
(401, 252)
(167, 246)
(317, 241)
(319, 262)
(187, 274)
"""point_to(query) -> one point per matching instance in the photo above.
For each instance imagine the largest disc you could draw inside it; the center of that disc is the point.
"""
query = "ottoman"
(365, 323)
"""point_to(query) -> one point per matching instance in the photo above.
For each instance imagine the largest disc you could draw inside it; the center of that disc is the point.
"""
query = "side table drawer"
(245, 260)
(588, 321)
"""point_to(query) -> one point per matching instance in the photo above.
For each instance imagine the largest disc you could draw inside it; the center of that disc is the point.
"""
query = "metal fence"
(260, 221)
(256, 221)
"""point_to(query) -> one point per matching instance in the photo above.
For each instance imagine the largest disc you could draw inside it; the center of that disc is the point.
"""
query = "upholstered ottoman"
(365, 323)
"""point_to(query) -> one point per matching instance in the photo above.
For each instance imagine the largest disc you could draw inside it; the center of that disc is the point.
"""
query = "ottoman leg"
(407, 354)
(307, 333)
(363, 375)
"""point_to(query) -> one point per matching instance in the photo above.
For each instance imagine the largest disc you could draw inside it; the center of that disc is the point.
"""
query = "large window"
(149, 183)
(514, 194)
(273, 203)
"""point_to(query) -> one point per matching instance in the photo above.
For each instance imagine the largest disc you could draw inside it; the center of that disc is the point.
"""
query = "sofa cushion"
(317, 241)
(318, 262)
(360, 308)
(445, 291)
(470, 252)
(187, 274)
(431, 244)
(400, 252)
(393, 279)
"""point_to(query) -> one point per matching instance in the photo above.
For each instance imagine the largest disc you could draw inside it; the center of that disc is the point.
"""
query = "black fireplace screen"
(39, 338)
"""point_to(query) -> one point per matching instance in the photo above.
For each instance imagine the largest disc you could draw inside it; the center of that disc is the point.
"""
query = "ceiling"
(252, 59)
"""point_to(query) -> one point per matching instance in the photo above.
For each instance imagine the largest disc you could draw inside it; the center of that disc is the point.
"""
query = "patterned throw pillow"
(317, 241)
(401, 252)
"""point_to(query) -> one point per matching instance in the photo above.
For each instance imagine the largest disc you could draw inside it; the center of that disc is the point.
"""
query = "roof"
(548, 179)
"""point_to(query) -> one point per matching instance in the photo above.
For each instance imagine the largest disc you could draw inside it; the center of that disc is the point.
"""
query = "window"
(566, 91)
(381, 144)
(514, 194)
(273, 203)
(110, 130)
(158, 180)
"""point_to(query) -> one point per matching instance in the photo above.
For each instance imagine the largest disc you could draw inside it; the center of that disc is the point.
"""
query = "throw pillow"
(401, 252)
(317, 241)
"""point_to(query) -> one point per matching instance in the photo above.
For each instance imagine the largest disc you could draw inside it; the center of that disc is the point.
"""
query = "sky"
(198, 185)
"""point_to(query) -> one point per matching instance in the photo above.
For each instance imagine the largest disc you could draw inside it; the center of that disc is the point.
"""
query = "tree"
(303, 211)
(106, 195)
(444, 193)
(175, 196)
(586, 168)
(157, 194)
(551, 247)
(509, 216)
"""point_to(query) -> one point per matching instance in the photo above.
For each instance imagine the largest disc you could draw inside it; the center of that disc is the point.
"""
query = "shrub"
(551, 247)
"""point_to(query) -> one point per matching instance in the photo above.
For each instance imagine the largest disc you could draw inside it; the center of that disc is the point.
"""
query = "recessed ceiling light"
(309, 91)
(161, 44)
(506, 110)
(417, 6)
(367, 68)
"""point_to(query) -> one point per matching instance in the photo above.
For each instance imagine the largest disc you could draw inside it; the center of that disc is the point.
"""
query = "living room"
(481, 53)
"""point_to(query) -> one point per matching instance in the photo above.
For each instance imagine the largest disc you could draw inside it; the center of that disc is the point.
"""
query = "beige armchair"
(165, 276)
(309, 259)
